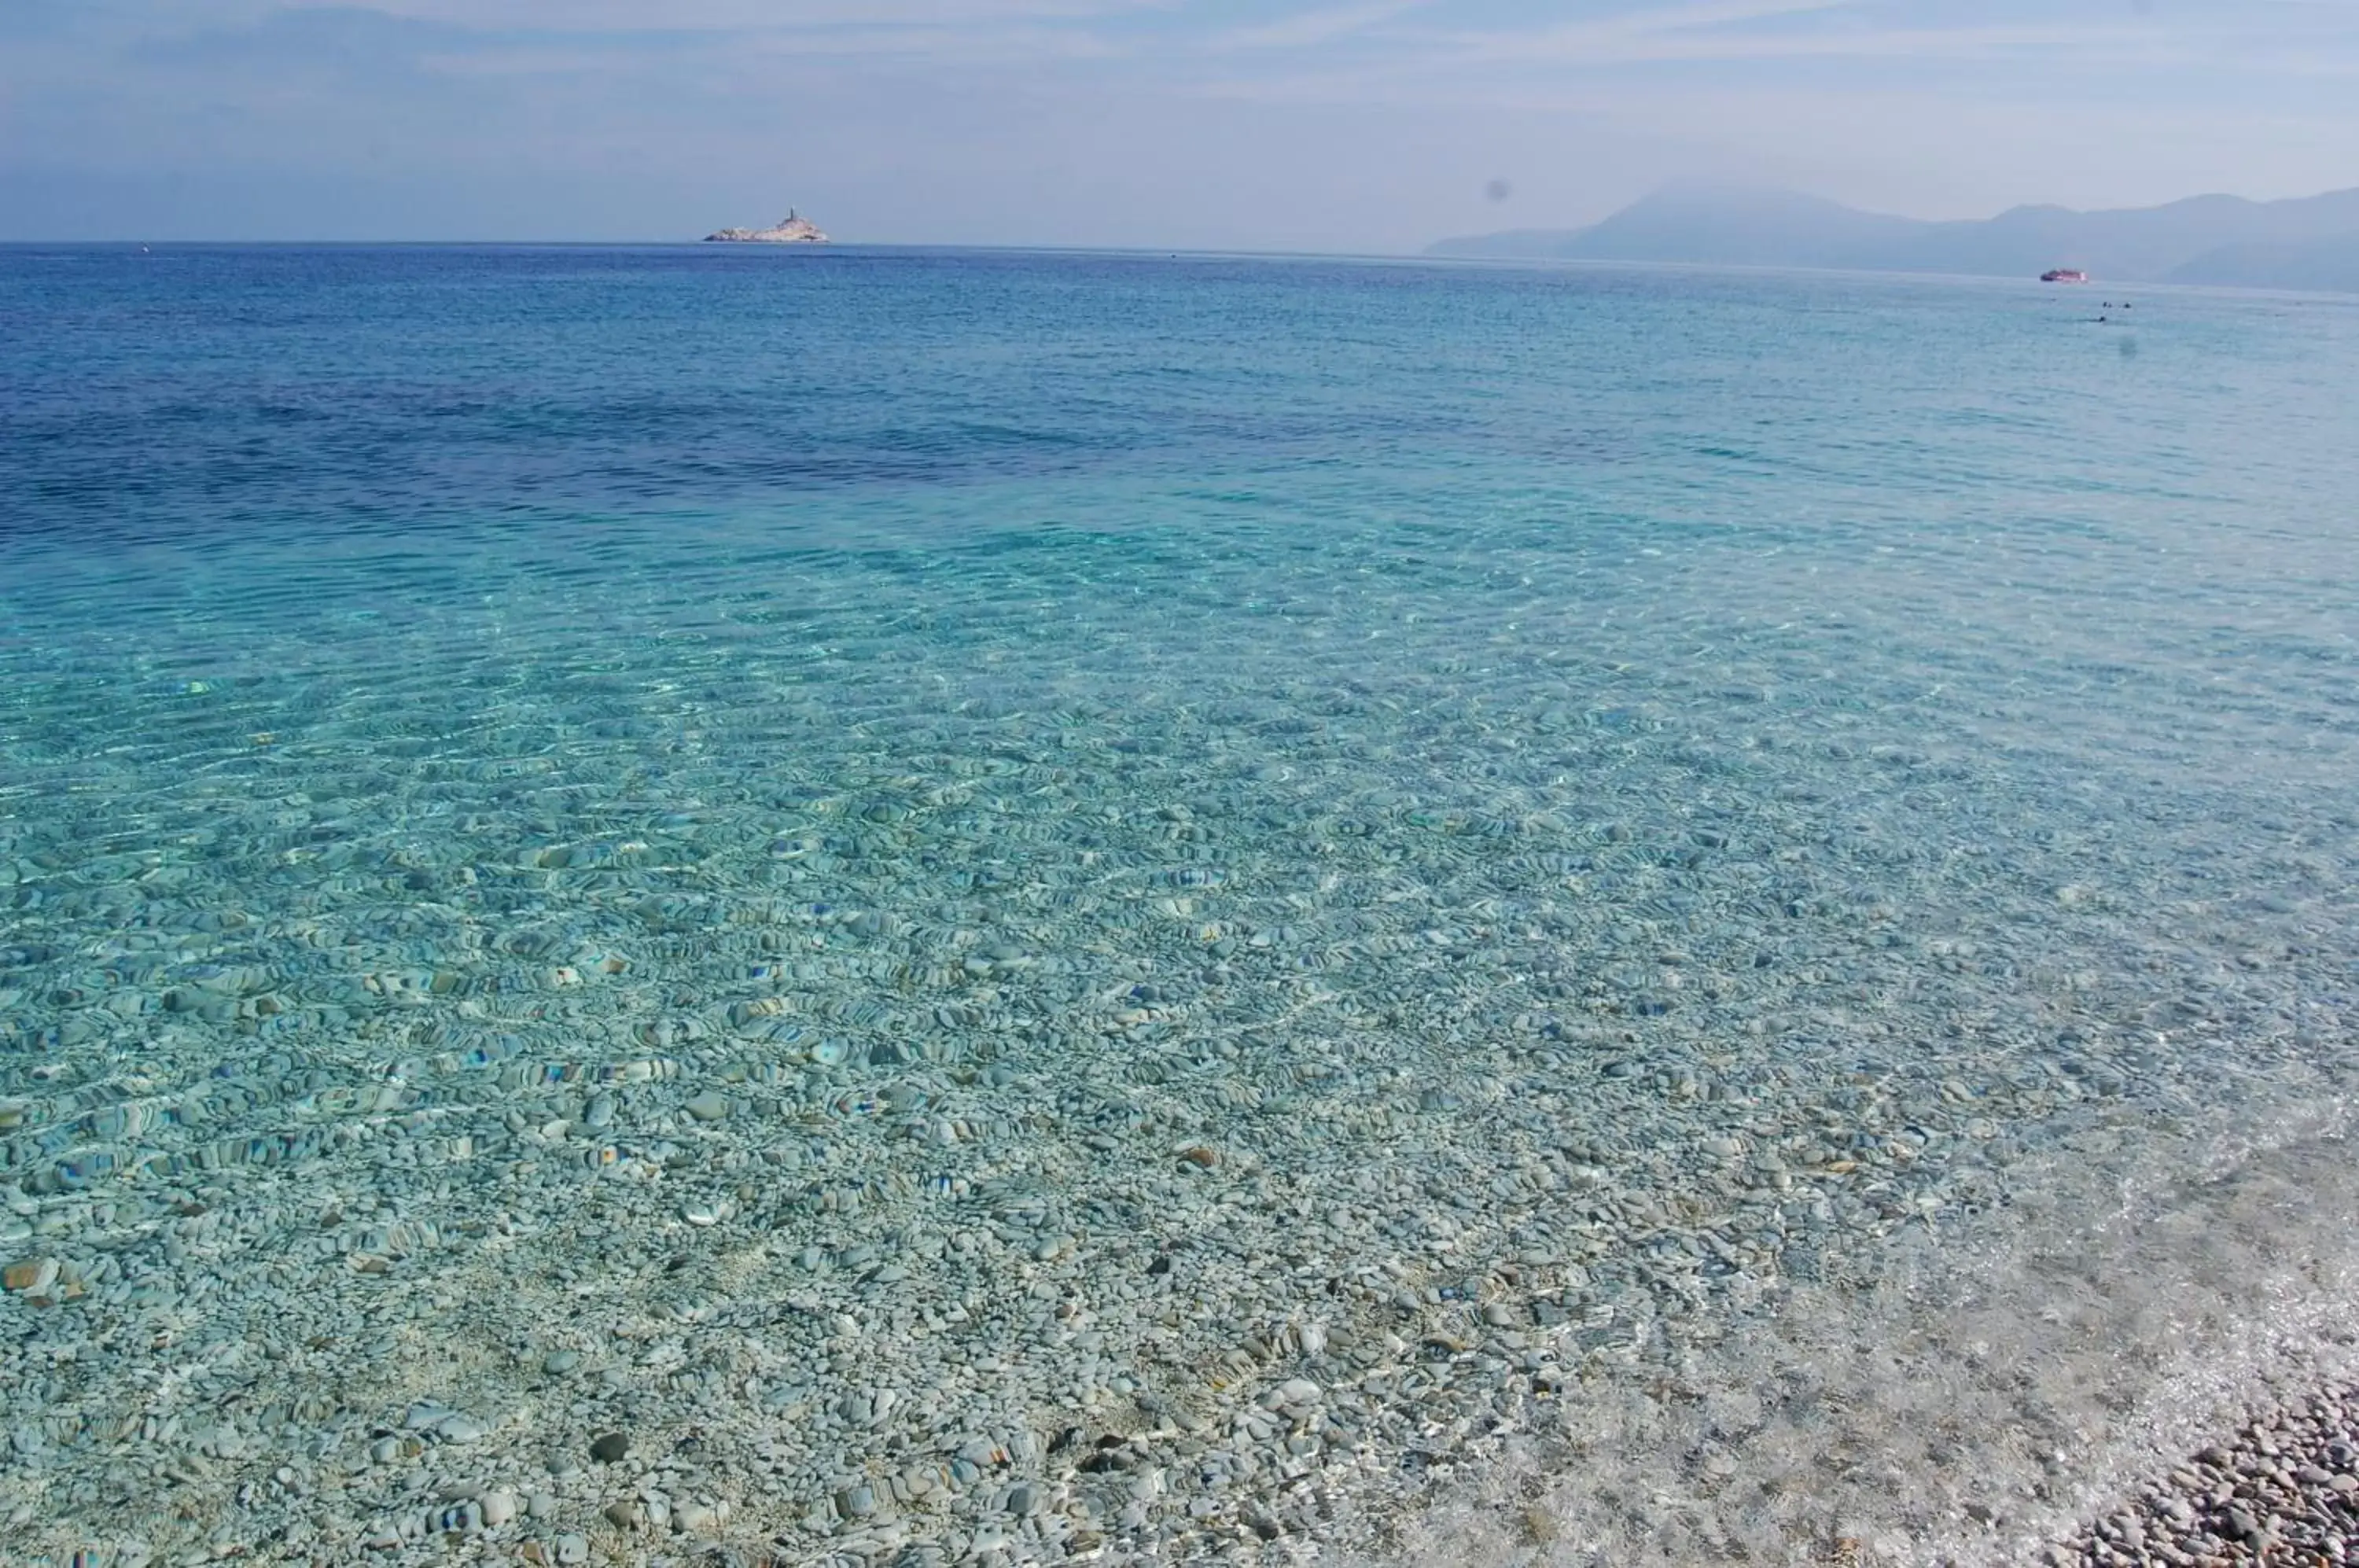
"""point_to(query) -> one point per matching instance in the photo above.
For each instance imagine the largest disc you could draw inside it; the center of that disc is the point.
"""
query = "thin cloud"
(1727, 32)
(741, 16)
(1896, 43)
(1015, 44)
(1316, 27)
(1673, 20)
(520, 39)
(1463, 67)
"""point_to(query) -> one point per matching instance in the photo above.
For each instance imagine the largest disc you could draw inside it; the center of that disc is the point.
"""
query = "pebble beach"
(2285, 1488)
(853, 1033)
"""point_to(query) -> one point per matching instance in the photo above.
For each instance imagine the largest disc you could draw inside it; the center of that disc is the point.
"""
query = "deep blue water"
(1638, 734)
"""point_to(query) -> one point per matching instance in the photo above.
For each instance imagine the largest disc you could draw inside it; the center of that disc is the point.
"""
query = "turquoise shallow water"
(960, 873)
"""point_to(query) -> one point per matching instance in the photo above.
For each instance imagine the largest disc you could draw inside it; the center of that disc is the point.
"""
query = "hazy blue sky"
(1374, 124)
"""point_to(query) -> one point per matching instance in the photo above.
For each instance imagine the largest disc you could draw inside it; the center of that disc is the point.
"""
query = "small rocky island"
(792, 229)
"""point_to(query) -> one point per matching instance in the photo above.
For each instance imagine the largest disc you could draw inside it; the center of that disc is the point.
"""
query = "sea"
(929, 907)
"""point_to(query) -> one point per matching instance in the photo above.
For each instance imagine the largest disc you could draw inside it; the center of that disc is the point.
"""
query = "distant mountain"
(1723, 227)
(2224, 239)
(2331, 263)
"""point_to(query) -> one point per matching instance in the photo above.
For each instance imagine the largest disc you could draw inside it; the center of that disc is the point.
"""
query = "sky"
(1355, 125)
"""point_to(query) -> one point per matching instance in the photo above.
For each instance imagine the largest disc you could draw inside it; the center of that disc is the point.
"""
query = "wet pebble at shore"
(2283, 1491)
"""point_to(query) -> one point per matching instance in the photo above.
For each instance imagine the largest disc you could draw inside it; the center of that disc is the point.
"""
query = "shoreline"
(1970, 1459)
(2285, 1481)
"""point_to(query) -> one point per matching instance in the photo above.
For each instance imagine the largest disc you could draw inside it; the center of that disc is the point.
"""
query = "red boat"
(2064, 274)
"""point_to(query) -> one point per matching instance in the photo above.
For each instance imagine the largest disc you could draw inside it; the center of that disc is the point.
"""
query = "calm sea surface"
(990, 906)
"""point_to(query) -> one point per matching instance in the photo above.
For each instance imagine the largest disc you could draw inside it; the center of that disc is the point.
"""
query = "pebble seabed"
(1581, 1097)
